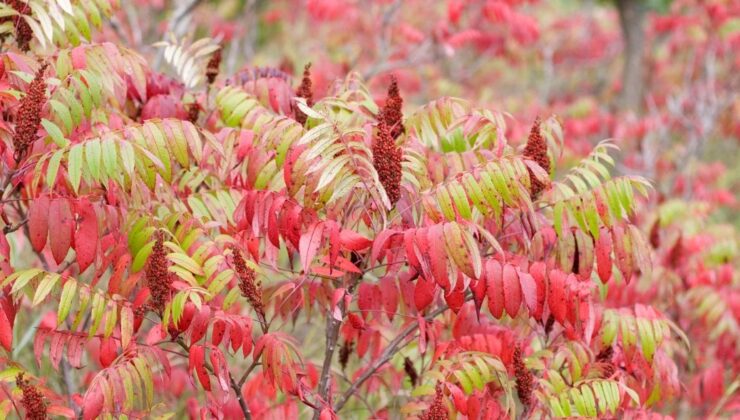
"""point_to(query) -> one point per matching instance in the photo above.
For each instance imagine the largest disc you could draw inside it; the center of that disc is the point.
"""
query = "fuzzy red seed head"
(29, 114)
(438, 410)
(250, 287)
(524, 378)
(212, 68)
(158, 278)
(604, 359)
(193, 112)
(305, 91)
(391, 113)
(23, 31)
(536, 150)
(387, 162)
(32, 400)
(408, 367)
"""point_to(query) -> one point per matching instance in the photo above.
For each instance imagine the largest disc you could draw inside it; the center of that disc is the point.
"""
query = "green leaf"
(186, 262)
(141, 257)
(55, 133)
(53, 168)
(45, 287)
(23, 278)
(69, 292)
(61, 111)
(74, 166)
(93, 152)
(465, 382)
(127, 325)
(110, 319)
(579, 401)
(588, 397)
(98, 310)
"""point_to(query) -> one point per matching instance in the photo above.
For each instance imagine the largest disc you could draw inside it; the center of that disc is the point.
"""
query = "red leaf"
(236, 335)
(356, 321)
(409, 237)
(39, 342)
(58, 410)
(556, 298)
(114, 284)
(218, 331)
(621, 245)
(603, 256)
(529, 291)
(512, 290)
(74, 351)
(379, 244)
(38, 222)
(333, 235)
(539, 274)
(389, 291)
(309, 245)
(438, 255)
(353, 241)
(461, 402)
(108, 351)
(327, 414)
(57, 349)
(86, 237)
(495, 288)
(93, 403)
(199, 325)
(456, 297)
(6, 331)
(188, 313)
(478, 287)
(585, 246)
(61, 223)
(423, 293)
(369, 299)
(197, 362)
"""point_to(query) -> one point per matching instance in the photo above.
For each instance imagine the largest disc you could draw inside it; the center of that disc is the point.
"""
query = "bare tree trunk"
(631, 19)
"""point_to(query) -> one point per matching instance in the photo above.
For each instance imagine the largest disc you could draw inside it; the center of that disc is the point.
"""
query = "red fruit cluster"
(24, 33)
(305, 91)
(193, 112)
(655, 234)
(158, 278)
(250, 287)
(524, 378)
(408, 367)
(213, 65)
(605, 359)
(32, 399)
(391, 113)
(29, 114)
(438, 410)
(387, 162)
(536, 150)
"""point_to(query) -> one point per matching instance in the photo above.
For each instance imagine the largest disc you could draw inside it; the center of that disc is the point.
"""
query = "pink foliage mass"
(442, 232)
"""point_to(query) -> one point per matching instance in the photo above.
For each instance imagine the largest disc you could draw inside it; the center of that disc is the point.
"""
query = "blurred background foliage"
(669, 99)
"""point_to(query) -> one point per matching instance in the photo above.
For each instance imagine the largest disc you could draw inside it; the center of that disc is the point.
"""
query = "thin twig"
(393, 347)
(234, 386)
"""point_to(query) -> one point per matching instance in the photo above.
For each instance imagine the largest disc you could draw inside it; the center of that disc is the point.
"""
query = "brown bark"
(632, 21)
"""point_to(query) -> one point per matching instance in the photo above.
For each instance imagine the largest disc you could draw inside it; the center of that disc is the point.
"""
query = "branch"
(234, 386)
(388, 353)
(332, 335)
(12, 228)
